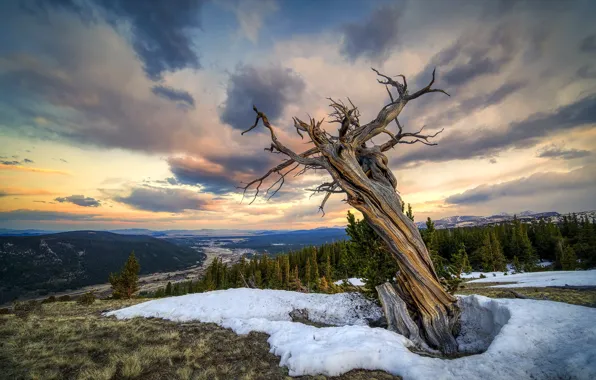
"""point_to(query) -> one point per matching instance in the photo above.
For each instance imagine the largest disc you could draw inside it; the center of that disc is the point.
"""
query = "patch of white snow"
(530, 338)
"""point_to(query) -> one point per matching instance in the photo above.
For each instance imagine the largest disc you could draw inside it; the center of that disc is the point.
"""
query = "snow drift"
(542, 279)
(520, 338)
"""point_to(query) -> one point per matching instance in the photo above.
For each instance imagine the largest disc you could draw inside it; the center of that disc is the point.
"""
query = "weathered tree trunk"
(417, 306)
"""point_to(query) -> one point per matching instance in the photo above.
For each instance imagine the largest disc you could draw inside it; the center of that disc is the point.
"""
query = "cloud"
(553, 151)
(271, 89)
(16, 167)
(10, 162)
(162, 200)
(250, 15)
(587, 72)
(11, 191)
(375, 37)
(534, 185)
(160, 31)
(79, 200)
(588, 44)
(37, 215)
(178, 96)
(27, 161)
(219, 175)
(465, 144)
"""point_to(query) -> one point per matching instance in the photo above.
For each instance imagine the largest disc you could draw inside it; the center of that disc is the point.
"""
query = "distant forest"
(568, 245)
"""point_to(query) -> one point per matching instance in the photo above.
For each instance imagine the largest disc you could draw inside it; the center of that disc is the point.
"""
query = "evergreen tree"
(324, 286)
(569, 259)
(487, 253)
(516, 265)
(410, 214)
(498, 258)
(307, 274)
(328, 272)
(315, 267)
(168, 291)
(286, 283)
(126, 283)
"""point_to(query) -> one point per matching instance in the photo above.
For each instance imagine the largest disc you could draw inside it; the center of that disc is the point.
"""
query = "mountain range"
(524, 216)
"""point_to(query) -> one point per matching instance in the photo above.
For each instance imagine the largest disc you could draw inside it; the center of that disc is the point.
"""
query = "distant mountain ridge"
(524, 216)
(69, 260)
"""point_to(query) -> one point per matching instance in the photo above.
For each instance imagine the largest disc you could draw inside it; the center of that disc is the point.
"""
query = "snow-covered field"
(542, 279)
(352, 281)
(532, 339)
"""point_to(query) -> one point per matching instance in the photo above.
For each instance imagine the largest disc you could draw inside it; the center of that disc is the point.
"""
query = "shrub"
(4, 311)
(482, 275)
(505, 273)
(494, 275)
(64, 298)
(24, 309)
(50, 299)
(86, 299)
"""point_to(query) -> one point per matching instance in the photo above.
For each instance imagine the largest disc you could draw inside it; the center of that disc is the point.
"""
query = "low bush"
(86, 299)
(482, 275)
(24, 309)
(50, 299)
(64, 298)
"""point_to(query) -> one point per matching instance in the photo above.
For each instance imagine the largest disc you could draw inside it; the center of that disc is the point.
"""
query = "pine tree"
(487, 253)
(324, 286)
(569, 259)
(315, 268)
(168, 291)
(126, 283)
(286, 282)
(328, 273)
(498, 259)
(410, 214)
(307, 274)
(516, 265)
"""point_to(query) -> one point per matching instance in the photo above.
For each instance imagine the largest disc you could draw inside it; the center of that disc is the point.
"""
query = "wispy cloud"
(79, 200)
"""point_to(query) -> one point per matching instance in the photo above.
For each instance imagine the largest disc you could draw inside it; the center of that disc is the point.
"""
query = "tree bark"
(417, 299)
(416, 306)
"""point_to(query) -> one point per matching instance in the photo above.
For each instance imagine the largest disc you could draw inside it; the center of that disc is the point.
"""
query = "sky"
(128, 114)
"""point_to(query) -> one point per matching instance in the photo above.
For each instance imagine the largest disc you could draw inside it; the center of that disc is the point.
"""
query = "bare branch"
(278, 144)
(277, 169)
(426, 89)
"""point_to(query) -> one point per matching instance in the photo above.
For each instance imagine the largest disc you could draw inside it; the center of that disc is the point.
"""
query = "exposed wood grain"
(417, 305)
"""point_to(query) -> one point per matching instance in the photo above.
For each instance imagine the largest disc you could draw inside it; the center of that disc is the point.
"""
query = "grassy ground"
(575, 297)
(65, 340)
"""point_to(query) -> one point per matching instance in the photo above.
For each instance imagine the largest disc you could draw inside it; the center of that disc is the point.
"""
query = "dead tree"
(416, 306)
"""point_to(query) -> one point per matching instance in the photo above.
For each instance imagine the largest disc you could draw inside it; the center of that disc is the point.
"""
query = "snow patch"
(523, 339)
(542, 279)
(352, 281)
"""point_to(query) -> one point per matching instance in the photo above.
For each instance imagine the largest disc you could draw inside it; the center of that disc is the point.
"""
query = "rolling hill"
(69, 260)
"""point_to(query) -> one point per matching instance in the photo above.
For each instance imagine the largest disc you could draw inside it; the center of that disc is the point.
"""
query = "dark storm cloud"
(526, 133)
(271, 89)
(588, 44)
(565, 154)
(78, 109)
(219, 175)
(587, 72)
(534, 185)
(162, 200)
(174, 95)
(375, 37)
(160, 29)
(79, 200)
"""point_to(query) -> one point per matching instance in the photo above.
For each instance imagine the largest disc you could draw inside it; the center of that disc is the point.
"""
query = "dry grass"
(574, 297)
(67, 340)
